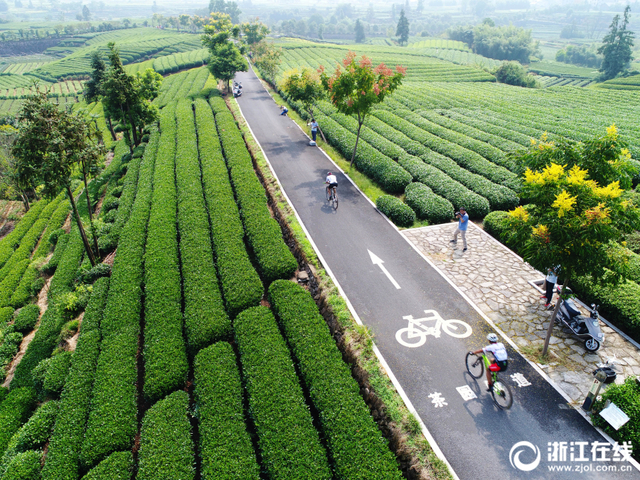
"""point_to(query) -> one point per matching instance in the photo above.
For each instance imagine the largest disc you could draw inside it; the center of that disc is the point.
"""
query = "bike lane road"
(476, 437)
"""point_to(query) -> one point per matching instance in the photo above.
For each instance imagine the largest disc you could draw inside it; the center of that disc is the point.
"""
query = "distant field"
(628, 83)
(420, 67)
(440, 43)
(559, 69)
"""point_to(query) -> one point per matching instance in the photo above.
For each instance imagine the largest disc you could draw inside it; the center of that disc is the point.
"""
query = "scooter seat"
(571, 308)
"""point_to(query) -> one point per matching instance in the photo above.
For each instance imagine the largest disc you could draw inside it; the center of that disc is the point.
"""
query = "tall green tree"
(357, 86)
(359, 31)
(304, 86)
(229, 8)
(616, 47)
(266, 56)
(13, 183)
(86, 14)
(92, 88)
(51, 145)
(127, 98)
(572, 219)
(226, 58)
(402, 31)
(254, 31)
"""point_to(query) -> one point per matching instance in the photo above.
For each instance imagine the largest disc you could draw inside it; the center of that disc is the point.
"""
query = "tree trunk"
(93, 232)
(136, 142)
(553, 317)
(83, 234)
(25, 201)
(35, 195)
(113, 133)
(353, 155)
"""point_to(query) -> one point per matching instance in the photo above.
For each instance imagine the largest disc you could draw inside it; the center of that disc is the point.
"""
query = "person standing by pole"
(463, 223)
(550, 283)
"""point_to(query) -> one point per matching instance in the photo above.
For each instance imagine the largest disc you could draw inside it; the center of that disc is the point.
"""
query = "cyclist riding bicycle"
(500, 357)
(331, 181)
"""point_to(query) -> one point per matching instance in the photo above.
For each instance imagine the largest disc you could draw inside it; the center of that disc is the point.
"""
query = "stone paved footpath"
(497, 281)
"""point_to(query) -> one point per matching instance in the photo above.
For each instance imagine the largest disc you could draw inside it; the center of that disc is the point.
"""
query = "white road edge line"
(394, 380)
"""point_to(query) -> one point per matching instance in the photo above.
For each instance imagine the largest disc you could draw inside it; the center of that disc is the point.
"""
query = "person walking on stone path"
(463, 223)
(549, 283)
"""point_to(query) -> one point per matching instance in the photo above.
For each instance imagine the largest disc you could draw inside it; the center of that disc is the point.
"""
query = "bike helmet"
(492, 337)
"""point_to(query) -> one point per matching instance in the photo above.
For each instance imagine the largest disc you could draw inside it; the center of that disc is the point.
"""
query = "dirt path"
(42, 303)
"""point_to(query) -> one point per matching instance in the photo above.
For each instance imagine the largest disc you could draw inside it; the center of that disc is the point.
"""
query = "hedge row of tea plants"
(446, 187)
(166, 448)
(27, 318)
(58, 251)
(57, 219)
(117, 466)
(241, 285)
(428, 205)
(289, 443)
(62, 462)
(355, 444)
(205, 319)
(398, 212)
(32, 435)
(12, 240)
(46, 337)
(15, 410)
(382, 169)
(165, 356)
(24, 466)
(112, 423)
(463, 157)
(11, 281)
(274, 258)
(225, 449)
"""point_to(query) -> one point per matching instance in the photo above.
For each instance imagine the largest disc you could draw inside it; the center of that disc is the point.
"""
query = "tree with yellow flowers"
(572, 218)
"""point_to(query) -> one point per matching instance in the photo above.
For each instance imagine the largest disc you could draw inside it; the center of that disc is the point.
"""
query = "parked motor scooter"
(585, 328)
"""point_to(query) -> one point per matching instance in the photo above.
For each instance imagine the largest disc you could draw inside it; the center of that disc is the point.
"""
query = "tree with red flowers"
(356, 86)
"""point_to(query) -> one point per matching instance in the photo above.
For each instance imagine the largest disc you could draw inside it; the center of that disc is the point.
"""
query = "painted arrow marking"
(378, 261)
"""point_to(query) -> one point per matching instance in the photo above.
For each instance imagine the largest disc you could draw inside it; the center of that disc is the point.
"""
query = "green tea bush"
(55, 235)
(6, 314)
(27, 318)
(205, 319)
(399, 213)
(165, 354)
(57, 371)
(117, 466)
(427, 205)
(14, 412)
(110, 217)
(8, 349)
(29, 286)
(166, 449)
(443, 185)
(32, 435)
(12, 240)
(110, 203)
(50, 267)
(264, 236)
(241, 285)
(11, 282)
(112, 423)
(93, 274)
(495, 224)
(627, 398)
(24, 466)
(57, 219)
(355, 444)
(288, 442)
(225, 449)
(66, 441)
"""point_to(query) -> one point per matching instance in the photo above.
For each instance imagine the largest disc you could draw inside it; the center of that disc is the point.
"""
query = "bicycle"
(416, 333)
(501, 392)
(332, 196)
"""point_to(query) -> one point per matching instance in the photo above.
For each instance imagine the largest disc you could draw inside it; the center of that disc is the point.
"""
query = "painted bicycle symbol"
(415, 335)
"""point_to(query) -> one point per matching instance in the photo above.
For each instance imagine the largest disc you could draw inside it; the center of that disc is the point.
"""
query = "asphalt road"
(474, 435)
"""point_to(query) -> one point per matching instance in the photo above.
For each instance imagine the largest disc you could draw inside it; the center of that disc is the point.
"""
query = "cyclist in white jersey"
(331, 181)
(500, 357)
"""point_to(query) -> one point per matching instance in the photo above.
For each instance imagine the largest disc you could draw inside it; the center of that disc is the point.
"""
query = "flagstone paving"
(497, 281)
